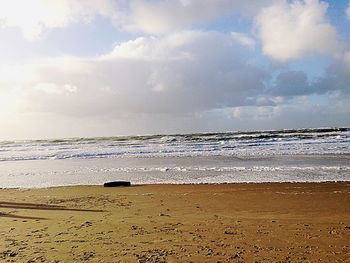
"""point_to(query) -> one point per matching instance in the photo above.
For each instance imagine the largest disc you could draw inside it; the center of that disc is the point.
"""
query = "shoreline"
(48, 173)
(195, 155)
(281, 222)
(179, 184)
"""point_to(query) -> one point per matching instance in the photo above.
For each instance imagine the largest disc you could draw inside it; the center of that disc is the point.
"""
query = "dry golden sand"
(177, 223)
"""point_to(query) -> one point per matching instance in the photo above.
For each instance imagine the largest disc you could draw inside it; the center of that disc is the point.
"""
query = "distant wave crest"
(248, 143)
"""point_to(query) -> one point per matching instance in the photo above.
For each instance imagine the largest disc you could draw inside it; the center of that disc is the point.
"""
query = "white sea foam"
(179, 170)
(302, 142)
(268, 156)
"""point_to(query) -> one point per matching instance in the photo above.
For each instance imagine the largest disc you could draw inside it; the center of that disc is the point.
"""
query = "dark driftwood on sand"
(117, 183)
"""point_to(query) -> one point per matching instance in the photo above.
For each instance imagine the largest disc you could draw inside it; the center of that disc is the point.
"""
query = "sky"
(75, 68)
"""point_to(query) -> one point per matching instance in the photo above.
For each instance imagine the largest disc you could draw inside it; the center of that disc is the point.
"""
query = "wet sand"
(177, 223)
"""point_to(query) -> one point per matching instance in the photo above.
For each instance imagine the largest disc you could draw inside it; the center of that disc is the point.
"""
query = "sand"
(177, 223)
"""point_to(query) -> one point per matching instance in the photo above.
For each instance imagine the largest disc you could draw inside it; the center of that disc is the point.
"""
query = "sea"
(293, 155)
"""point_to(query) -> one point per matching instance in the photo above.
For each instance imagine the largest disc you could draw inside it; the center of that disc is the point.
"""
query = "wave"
(240, 143)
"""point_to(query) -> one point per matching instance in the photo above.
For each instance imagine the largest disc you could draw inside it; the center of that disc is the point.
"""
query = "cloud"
(154, 17)
(291, 30)
(348, 11)
(190, 77)
(291, 83)
(337, 77)
(177, 74)
(299, 112)
(347, 60)
(173, 78)
(244, 39)
(32, 17)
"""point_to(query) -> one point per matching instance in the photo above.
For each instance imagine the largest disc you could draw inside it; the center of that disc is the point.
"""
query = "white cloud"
(348, 11)
(244, 39)
(34, 16)
(163, 16)
(155, 17)
(291, 30)
(53, 89)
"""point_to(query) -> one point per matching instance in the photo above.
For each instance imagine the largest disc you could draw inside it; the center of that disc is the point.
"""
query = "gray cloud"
(291, 83)
(336, 79)
(185, 72)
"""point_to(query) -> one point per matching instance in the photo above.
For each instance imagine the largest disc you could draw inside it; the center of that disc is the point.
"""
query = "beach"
(156, 131)
(267, 222)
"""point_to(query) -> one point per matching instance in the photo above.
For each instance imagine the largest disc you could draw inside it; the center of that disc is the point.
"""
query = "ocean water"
(301, 155)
